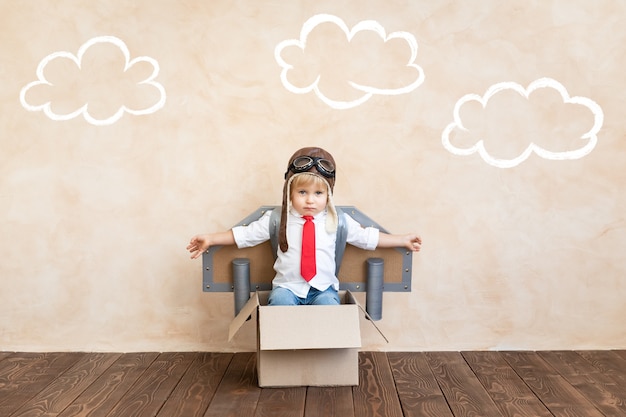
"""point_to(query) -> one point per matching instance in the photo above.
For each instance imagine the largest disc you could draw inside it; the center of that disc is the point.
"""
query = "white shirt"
(287, 265)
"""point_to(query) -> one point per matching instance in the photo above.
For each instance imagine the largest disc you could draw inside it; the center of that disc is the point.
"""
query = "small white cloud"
(379, 72)
(588, 139)
(96, 97)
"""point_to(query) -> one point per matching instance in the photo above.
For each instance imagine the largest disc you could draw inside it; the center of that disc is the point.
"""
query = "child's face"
(309, 199)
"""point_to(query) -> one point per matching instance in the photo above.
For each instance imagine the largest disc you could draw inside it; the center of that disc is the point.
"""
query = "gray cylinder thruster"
(374, 295)
(241, 282)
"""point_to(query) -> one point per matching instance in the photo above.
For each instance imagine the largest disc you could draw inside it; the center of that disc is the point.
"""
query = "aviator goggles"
(304, 163)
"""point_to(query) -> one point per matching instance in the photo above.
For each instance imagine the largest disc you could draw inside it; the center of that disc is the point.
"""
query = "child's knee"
(328, 297)
(282, 297)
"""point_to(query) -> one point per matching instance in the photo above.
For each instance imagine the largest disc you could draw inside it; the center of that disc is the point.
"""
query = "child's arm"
(242, 236)
(411, 242)
(201, 243)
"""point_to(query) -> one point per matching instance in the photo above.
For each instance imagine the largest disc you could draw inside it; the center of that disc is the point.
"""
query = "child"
(305, 266)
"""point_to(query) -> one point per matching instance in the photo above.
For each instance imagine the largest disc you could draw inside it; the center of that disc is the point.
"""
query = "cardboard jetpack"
(305, 345)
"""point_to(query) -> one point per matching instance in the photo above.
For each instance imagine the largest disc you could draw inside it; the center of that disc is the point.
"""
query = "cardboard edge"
(242, 317)
(353, 300)
(254, 302)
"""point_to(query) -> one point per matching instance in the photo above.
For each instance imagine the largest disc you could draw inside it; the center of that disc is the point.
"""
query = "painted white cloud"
(362, 85)
(98, 98)
(585, 143)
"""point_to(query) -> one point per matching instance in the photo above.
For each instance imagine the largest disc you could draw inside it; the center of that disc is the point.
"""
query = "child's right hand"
(198, 245)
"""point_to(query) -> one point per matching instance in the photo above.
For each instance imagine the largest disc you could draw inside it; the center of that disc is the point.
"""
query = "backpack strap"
(342, 234)
(274, 228)
(342, 237)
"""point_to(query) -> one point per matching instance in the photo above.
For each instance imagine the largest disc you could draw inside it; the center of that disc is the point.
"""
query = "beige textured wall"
(521, 251)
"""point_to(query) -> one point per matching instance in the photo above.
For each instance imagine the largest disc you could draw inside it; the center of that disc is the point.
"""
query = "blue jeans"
(284, 297)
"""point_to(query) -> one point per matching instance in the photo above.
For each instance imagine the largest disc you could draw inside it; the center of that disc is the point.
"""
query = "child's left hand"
(414, 243)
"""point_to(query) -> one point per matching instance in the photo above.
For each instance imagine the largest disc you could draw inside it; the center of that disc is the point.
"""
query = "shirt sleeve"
(359, 236)
(254, 233)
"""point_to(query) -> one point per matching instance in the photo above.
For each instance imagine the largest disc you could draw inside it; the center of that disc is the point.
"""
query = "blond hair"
(304, 179)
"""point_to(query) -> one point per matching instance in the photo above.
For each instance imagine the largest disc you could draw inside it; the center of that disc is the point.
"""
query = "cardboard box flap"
(243, 315)
(325, 322)
(367, 316)
(349, 299)
(309, 327)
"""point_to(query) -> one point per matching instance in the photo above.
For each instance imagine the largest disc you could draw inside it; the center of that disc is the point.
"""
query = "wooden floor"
(439, 384)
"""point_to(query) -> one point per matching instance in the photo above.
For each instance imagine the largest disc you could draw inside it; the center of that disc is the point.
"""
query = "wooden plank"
(417, 387)
(375, 395)
(603, 391)
(465, 394)
(508, 391)
(238, 393)
(5, 355)
(194, 393)
(621, 353)
(329, 402)
(609, 362)
(30, 374)
(68, 386)
(281, 402)
(110, 387)
(12, 372)
(151, 391)
(560, 397)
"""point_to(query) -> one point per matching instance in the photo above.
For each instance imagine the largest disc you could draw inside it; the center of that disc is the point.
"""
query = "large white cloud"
(385, 84)
(96, 97)
(587, 141)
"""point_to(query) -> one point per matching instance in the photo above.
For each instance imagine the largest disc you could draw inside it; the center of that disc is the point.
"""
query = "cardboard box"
(305, 345)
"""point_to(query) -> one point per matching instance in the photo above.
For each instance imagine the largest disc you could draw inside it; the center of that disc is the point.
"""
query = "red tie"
(307, 263)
